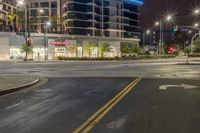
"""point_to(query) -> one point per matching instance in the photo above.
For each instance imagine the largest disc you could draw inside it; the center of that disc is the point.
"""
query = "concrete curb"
(198, 63)
(18, 88)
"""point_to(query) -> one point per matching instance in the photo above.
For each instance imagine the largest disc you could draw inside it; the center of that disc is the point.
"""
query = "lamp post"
(47, 25)
(41, 11)
(168, 18)
(144, 35)
(21, 3)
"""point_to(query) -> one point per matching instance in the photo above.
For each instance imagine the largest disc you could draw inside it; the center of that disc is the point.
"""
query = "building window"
(44, 4)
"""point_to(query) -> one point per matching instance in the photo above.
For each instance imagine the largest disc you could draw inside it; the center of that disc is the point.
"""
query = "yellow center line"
(94, 119)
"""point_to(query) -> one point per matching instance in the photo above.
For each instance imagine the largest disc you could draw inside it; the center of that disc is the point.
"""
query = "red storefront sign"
(66, 42)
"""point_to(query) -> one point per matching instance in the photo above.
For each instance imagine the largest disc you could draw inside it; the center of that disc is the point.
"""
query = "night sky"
(152, 10)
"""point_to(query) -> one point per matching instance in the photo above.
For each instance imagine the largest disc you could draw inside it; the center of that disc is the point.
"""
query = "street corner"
(12, 83)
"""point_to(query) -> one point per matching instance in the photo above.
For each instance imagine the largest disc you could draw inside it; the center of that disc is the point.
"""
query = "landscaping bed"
(135, 57)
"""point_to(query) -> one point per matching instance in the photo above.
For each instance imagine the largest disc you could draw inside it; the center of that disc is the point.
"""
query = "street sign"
(183, 86)
(175, 28)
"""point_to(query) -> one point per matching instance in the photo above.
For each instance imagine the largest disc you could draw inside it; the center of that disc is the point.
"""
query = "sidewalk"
(12, 83)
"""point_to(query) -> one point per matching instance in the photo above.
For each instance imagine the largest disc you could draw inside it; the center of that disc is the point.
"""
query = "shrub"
(194, 55)
(187, 49)
(87, 58)
(168, 56)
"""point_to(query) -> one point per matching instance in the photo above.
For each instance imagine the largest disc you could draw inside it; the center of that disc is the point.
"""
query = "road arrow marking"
(184, 86)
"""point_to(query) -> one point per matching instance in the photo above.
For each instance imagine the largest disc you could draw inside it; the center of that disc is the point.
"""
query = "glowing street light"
(148, 32)
(157, 23)
(196, 24)
(20, 3)
(169, 17)
(197, 11)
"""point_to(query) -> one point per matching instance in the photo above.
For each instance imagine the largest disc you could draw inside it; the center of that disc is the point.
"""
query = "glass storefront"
(62, 47)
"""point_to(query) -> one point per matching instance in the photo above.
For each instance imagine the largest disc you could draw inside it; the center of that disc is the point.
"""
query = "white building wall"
(4, 49)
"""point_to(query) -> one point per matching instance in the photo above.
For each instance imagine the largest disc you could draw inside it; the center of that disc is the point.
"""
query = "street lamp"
(167, 18)
(197, 11)
(196, 25)
(21, 3)
(47, 25)
(157, 23)
(147, 32)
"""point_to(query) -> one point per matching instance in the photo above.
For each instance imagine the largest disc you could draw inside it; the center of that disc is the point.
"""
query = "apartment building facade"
(86, 26)
(109, 18)
(42, 11)
(7, 8)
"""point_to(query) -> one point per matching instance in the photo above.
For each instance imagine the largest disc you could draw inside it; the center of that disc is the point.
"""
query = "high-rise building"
(109, 18)
(106, 18)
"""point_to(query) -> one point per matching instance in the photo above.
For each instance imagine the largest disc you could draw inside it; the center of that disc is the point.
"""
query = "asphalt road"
(151, 68)
(76, 91)
(59, 106)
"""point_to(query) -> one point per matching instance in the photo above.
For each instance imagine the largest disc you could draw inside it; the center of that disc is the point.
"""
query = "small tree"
(125, 49)
(104, 48)
(187, 50)
(71, 49)
(89, 47)
(131, 49)
(135, 50)
(27, 49)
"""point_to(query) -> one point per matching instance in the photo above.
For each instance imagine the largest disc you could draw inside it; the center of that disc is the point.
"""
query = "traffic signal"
(175, 29)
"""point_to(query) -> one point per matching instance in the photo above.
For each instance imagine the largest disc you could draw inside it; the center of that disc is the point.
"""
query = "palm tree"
(54, 20)
(35, 20)
(20, 19)
(62, 23)
(11, 16)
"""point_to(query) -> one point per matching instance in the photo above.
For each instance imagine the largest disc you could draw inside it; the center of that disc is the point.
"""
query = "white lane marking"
(15, 105)
(44, 90)
(183, 86)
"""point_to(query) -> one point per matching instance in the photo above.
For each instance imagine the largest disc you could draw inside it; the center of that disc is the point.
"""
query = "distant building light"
(139, 2)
